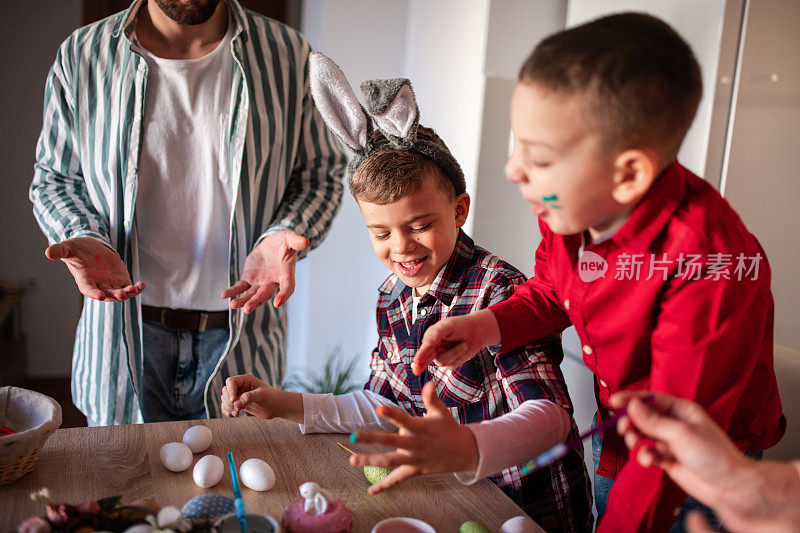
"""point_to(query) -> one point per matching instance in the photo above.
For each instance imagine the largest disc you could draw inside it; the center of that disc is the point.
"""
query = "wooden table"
(84, 463)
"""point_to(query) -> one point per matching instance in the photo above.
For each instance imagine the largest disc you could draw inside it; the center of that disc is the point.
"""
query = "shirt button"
(423, 312)
(602, 383)
(587, 349)
(566, 305)
(141, 66)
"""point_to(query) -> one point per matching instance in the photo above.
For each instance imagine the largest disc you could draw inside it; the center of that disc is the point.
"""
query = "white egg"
(257, 475)
(520, 524)
(176, 456)
(208, 471)
(197, 438)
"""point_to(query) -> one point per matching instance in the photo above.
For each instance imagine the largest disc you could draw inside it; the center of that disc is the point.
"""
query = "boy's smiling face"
(415, 235)
(559, 163)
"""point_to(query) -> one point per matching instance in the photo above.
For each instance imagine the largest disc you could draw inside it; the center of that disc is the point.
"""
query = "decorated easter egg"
(176, 456)
(207, 507)
(376, 473)
(520, 524)
(208, 471)
(257, 475)
(473, 527)
(197, 438)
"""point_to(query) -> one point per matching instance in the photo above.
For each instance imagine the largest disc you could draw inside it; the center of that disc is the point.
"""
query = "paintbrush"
(237, 495)
(346, 448)
(559, 451)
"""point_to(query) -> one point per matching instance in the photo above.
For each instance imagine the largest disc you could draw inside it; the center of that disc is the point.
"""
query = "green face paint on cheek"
(549, 199)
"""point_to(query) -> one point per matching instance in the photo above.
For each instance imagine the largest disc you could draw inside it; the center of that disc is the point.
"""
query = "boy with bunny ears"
(412, 195)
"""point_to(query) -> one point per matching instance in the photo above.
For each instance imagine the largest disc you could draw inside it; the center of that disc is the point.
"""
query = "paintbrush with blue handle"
(238, 502)
(559, 451)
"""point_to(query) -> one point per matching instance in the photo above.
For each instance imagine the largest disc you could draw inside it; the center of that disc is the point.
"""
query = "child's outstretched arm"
(432, 444)
(250, 394)
(436, 443)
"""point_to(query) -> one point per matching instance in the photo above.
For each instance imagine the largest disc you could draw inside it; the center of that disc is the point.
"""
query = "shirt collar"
(447, 282)
(654, 210)
(127, 23)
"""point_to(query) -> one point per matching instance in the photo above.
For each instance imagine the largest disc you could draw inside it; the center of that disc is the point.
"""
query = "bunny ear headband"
(392, 107)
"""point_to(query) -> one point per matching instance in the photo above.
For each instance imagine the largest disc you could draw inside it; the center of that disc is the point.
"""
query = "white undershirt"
(511, 439)
(183, 206)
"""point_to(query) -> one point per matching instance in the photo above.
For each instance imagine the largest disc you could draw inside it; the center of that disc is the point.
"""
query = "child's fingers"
(225, 405)
(398, 475)
(432, 402)
(386, 460)
(243, 400)
(399, 418)
(230, 388)
(385, 438)
(424, 357)
(454, 356)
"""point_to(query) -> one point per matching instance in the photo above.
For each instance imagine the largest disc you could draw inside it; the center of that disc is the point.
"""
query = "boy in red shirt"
(666, 288)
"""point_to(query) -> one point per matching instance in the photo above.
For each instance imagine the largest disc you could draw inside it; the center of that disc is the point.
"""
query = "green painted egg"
(473, 527)
(376, 473)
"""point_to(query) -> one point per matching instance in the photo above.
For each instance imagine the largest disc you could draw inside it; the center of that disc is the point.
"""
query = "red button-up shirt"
(678, 301)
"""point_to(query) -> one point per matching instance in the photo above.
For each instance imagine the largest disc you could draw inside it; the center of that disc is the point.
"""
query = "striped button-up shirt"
(286, 169)
(488, 385)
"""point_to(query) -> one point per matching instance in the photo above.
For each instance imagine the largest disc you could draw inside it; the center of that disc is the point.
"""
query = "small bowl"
(256, 523)
(401, 524)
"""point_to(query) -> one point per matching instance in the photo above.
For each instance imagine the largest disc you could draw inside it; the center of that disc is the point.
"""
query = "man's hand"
(98, 271)
(269, 267)
(747, 495)
(688, 445)
(250, 394)
(432, 444)
(455, 340)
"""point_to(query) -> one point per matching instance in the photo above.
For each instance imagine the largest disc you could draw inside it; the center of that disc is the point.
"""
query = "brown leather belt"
(185, 319)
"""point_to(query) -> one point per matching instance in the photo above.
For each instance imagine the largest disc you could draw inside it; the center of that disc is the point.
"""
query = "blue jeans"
(602, 486)
(177, 365)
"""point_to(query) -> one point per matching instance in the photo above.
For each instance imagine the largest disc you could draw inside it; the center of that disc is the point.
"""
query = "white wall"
(700, 23)
(334, 302)
(30, 33)
(445, 62)
(763, 174)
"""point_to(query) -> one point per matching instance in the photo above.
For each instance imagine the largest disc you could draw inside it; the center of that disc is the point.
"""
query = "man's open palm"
(98, 271)
(269, 267)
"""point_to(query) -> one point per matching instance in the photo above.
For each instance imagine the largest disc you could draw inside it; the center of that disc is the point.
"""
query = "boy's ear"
(634, 172)
(462, 202)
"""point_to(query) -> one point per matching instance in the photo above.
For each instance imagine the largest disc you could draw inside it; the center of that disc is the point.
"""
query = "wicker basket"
(34, 417)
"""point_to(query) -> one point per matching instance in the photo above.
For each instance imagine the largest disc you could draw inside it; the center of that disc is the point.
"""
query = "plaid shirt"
(488, 385)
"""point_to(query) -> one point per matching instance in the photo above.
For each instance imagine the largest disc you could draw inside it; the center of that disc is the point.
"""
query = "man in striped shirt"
(181, 152)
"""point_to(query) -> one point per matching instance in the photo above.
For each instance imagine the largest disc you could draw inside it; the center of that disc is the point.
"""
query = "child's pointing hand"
(453, 341)
(424, 445)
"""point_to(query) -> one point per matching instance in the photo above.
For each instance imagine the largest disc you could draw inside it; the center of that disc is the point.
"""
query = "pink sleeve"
(514, 438)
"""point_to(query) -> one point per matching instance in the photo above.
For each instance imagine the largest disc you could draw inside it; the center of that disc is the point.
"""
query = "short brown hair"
(641, 78)
(390, 174)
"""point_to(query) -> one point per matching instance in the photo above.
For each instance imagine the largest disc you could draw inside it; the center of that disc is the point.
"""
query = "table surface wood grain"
(78, 464)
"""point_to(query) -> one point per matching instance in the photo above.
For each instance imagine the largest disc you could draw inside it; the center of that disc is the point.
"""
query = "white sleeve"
(344, 413)
(516, 437)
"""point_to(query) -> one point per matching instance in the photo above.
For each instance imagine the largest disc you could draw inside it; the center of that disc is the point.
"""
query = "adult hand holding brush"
(747, 495)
